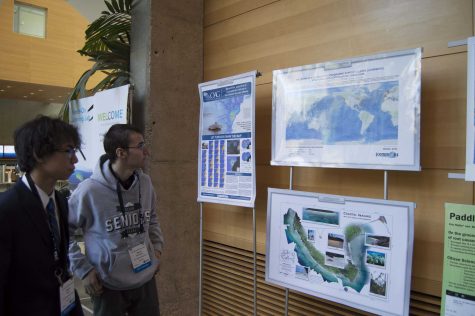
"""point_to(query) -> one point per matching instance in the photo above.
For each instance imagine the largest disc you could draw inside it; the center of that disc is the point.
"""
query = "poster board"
(226, 156)
(361, 112)
(93, 116)
(470, 147)
(458, 281)
(352, 251)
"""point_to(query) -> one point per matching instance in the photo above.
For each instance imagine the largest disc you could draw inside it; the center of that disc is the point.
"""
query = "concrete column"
(169, 111)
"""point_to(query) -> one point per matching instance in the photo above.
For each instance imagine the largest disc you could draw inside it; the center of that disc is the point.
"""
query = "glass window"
(29, 20)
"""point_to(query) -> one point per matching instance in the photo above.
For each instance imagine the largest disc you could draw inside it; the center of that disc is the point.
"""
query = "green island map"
(355, 273)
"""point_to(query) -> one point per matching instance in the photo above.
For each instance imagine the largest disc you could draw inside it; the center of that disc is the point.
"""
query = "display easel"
(254, 251)
(286, 311)
(254, 265)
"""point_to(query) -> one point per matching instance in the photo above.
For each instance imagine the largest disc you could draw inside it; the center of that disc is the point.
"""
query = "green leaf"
(109, 6)
(107, 45)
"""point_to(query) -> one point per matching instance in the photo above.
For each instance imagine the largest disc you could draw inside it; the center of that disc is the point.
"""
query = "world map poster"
(352, 251)
(226, 160)
(357, 113)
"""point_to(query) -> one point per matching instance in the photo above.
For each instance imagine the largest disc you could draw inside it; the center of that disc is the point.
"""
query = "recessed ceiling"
(32, 92)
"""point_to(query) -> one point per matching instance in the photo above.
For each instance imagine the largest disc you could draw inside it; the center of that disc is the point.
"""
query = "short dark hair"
(40, 138)
(118, 136)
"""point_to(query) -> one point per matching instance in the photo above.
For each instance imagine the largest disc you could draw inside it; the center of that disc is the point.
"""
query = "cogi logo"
(212, 94)
(391, 154)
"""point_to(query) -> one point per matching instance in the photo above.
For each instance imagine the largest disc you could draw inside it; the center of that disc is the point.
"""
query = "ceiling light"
(9, 87)
(1, 90)
(60, 96)
(32, 93)
(40, 90)
(25, 96)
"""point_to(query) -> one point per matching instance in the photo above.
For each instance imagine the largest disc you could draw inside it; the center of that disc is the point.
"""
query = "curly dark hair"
(118, 137)
(40, 138)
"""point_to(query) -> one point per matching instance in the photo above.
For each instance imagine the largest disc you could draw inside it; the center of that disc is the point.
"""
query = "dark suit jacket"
(28, 285)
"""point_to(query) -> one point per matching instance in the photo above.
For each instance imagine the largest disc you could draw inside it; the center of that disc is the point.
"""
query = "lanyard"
(58, 272)
(138, 205)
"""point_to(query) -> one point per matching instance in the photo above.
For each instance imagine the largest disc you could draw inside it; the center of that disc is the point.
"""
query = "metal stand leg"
(255, 259)
(200, 297)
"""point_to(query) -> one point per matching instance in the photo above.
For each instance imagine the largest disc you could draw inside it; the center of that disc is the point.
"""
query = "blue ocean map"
(359, 114)
(219, 115)
(355, 273)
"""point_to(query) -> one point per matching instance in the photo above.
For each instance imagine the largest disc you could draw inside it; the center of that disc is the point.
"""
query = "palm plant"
(108, 46)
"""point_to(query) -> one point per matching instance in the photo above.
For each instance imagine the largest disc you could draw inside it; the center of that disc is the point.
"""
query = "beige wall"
(50, 61)
(243, 35)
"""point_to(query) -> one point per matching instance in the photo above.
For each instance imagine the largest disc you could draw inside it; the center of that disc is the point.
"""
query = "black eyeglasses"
(140, 146)
(71, 152)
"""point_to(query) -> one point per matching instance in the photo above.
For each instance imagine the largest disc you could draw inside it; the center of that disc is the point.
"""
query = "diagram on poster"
(470, 148)
(362, 113)
(226, 169)
(349, 250)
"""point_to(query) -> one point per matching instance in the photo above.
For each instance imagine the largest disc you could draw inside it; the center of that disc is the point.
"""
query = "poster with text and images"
(226, 156)
(93, 116)
(357, 113)
(352, 251)
(470, 139)
(458, 282)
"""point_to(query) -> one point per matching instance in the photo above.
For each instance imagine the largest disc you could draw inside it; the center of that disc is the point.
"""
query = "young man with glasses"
(34, 274)
(116, 210)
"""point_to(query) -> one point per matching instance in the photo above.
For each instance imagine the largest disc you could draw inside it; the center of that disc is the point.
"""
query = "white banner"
(93, 116)
(470, 148)
(352, 251)
(357, 113)
(226, 156)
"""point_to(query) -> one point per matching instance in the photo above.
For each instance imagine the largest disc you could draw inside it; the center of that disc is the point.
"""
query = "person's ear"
(38, 160)
(121, 153)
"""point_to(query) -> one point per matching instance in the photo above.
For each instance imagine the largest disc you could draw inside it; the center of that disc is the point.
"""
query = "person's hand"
(92, 284)
(158, 254)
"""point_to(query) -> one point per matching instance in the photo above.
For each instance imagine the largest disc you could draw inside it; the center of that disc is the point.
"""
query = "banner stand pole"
(130, 104)
(200, 296)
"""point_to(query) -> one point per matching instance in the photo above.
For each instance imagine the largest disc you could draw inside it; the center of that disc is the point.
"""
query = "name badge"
(67, 297)
(139, 257)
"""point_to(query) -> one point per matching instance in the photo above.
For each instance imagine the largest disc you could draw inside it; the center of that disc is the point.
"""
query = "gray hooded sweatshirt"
(94, 207)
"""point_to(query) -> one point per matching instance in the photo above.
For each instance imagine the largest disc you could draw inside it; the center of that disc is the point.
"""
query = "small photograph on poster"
(204, 145)
(246, 144)
(336, 240)
(334, 259)
(321, 216)
(246, 156)
(376, 258)
(234, 164)
(378, 283)
(372, 240)
(233, 147)
(311, 235)
(301, 272)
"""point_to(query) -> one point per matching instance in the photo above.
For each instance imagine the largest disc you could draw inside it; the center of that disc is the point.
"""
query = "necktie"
(53, 223)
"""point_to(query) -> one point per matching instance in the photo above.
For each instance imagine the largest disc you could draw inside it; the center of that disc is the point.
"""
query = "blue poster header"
(226, 136)
(227, 92)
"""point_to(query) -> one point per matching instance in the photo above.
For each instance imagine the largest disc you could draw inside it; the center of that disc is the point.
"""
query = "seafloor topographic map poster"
(349, 250)
(357, 113)
(470, 149)
(226, 161)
